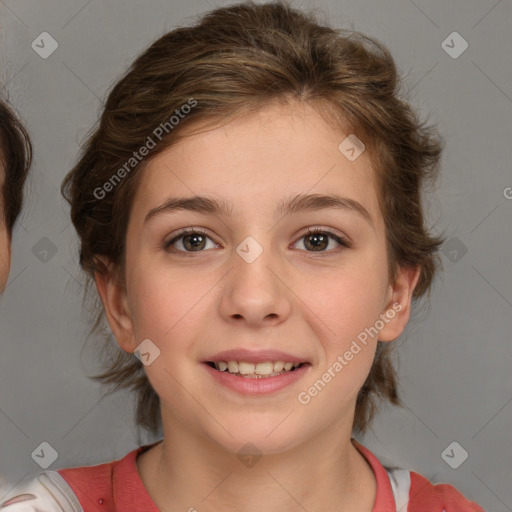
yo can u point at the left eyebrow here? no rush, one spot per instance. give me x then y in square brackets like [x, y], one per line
[314, 202]
[294, 204]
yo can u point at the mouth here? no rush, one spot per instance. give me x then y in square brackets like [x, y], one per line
[260, 370]
[257, 372]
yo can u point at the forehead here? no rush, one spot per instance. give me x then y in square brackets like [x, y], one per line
[258, 158]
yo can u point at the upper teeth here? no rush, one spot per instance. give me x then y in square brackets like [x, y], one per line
[266, 368]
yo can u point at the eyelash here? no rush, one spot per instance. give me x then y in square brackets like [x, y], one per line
[311, 231]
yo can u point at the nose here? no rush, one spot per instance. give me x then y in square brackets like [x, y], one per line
[255, 293]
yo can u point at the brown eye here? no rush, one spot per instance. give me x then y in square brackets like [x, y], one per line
[317, 240]
[191, 241]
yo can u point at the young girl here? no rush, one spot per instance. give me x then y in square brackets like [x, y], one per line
[250, 210]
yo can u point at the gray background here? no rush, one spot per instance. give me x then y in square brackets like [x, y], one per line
[455, 358]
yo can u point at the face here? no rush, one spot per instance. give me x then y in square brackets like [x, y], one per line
[5, 244]
[255, 280]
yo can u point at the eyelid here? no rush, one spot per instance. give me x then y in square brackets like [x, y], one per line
[326, 230]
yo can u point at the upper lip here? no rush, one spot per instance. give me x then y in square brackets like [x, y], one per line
[254, 356]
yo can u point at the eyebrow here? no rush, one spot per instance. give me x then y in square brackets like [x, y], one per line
[294, 204]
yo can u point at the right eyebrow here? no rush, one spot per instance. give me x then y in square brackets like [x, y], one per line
[198, 204]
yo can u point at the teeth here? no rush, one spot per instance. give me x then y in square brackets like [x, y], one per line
[278, 366]
[267, 368]
[245, 368]
[264, 368]
[232, 366]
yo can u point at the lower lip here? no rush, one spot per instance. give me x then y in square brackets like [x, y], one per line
[256, 386]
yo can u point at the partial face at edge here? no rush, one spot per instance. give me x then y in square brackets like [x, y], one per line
[5, 243]
[313, 304]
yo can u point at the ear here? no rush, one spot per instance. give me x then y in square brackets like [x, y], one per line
[398, 303]
[115, 304]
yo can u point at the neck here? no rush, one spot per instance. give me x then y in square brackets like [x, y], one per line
[187, 471]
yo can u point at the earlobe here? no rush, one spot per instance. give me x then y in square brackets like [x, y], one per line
[113, 298]
[398, 307]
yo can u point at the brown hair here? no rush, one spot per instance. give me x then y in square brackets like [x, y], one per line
[15, 157]
[236, 60]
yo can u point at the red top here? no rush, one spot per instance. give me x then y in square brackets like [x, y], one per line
[116, 487]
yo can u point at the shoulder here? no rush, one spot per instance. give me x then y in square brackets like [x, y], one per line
[423, 495]
[89, 481]
[400, 489]
[45, 492]
[76, 489]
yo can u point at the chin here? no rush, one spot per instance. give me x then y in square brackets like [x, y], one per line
[263, 437]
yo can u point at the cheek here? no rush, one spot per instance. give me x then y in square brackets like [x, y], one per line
[348, 299]
[167, 306]
[347, 303]
[345, 325]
